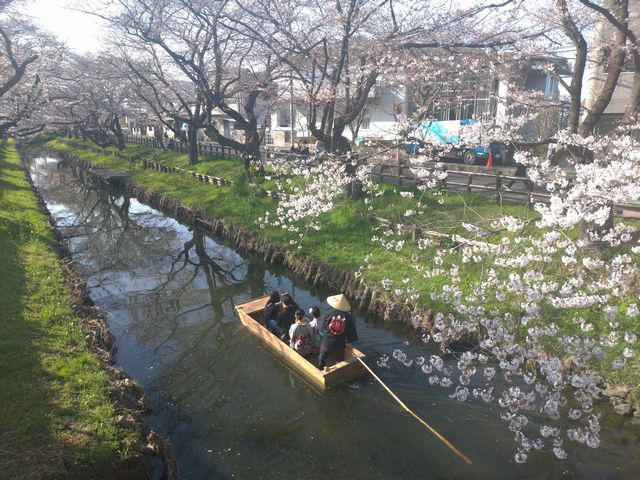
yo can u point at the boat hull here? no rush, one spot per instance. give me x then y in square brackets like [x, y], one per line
[250, 314]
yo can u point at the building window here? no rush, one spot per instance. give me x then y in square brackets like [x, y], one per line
[284, 118]
[366, 121]
[467, 109]
[482, 107]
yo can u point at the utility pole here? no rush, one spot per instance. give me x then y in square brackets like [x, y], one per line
[291, 107]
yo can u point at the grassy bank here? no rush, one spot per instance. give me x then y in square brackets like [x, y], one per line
[56, 419]
[345, 239]
[223, 168]
[345, 242]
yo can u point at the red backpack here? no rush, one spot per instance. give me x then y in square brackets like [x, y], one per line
[301, 341]
[337, 325]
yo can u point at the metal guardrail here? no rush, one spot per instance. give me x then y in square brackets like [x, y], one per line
[204, 148]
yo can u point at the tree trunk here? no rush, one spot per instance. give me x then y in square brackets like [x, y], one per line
[192, 145]
[334, 142]
[615, 66]
[252, 143]
[353, 189]
[340, 144]
[252, 156]
[117, 131]
[575, 89]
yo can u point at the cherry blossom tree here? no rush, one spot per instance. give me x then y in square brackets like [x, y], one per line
[340, 51]
[173, 103]
[530, 313]
[27, 58]
[205, 43]
[90, 96]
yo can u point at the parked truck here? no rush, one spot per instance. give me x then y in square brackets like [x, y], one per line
[443, 138]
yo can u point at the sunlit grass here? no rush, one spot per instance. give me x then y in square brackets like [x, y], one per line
[55, 414]
[227, 168]
[344, 241]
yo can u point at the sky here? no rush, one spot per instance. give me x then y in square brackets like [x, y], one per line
[79, 30]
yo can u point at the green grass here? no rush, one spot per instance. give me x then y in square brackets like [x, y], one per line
[56, 419]
[345, 239]
[345, 243]
[224, 168]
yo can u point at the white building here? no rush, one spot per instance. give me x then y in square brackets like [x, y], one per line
[380, 117]
[598, 66]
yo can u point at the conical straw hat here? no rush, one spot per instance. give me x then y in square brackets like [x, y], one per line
[339, 302]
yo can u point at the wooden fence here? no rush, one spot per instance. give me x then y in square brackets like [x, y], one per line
[472, 182]
[492, 184]
[487, 182]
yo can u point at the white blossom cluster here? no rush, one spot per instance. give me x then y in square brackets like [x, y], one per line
[545, 309]
[299, 208]
[548, 310]
[521, 362]
[610, 175]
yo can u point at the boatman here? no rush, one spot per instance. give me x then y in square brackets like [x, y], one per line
[339, 329]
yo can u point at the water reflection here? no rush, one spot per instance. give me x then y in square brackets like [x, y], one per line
[229, 407]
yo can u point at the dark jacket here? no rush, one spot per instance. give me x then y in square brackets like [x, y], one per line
[331, 341]
[286, 317]
[270, 312]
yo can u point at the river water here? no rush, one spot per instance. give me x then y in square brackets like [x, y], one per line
[230, 408]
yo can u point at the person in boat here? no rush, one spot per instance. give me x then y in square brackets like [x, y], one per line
[339, 329]
[301, 334]
[285, 317]
[317, 323]
[271, 308]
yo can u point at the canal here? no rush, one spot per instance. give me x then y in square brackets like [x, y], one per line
[230, 408]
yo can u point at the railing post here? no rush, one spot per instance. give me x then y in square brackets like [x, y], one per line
[443, 182]
[469, 182]
[498, 185]
[529, 192]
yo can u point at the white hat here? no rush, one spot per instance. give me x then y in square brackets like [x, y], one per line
[339, 302]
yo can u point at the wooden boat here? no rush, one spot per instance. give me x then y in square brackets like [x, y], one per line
[251, 317]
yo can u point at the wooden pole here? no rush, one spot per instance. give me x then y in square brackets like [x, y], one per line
[449, 445]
